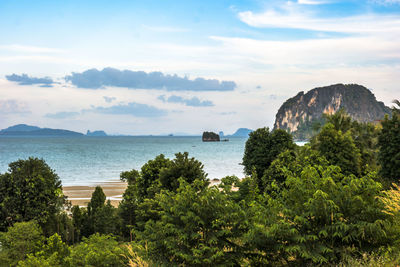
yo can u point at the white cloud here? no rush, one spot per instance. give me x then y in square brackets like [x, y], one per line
[386, 2]
[13, 106]
[296, 18]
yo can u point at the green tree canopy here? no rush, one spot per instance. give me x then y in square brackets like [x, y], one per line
[52, 254]
[30, 190]
[196, 227]
[338, 148]
[262, 148]
[101, 216]
[319, 216]
[389, 148]
[98, 250]
[97, 201]
[184, 167]
[20, 240]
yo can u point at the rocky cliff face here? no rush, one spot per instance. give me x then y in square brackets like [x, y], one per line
[357, 100]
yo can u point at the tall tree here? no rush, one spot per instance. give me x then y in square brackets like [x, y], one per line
[389, 144]
[20, 240]
[196, 228]
[30, 190]
[262, 148]
[338, 148]
[101, 216]
[184, 167]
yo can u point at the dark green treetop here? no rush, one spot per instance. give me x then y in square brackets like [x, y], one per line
[389, 144]
[30, 190]
[262, 148]
[196, 227]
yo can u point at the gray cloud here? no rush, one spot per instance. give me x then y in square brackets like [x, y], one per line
[24, 79]
[134, 109]
[109, 99]
[12, 107]
[61, 115]
[95, 79]
[193, 102]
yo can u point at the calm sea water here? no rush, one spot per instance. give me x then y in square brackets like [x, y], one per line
[92, 160]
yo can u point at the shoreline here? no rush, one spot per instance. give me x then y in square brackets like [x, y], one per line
[81, 194]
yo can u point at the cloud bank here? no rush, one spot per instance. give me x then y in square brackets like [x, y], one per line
[132, 108]
[95, 79]
[109, 99]
[192, 102]
[293, 17]
[62, 115]
[24, 79]
[12, 106]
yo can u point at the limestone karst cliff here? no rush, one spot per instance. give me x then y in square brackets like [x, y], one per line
[299, 112]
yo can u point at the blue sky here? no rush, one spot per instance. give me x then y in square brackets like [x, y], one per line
[266, 51]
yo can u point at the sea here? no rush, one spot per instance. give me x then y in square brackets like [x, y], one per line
[95, 160]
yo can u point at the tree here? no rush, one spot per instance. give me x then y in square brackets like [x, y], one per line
[97, 201]
[338, 148]
[20, 240]
[30, 190]
[53, 253]
[319, 216]
[138, 205]
[98, 250]
[101, 216]
[340, 120]
[197, 227]
[389, 148]
[291, 162]
[364, 136]
[184, 167]
[127, 210]
[262, 148]
[146, 182]
[79, 215]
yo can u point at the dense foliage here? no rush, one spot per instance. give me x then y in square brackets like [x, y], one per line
[30, 190]
[262, 148]
[389, 144]
[323, 203]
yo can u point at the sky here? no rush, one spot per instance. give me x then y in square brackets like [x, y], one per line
[160, 67]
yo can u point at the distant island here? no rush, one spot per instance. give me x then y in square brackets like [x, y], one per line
[28, 130]
[210, 137]
[96, 133]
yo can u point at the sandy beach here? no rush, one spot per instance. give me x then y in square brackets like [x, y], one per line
[80, 195]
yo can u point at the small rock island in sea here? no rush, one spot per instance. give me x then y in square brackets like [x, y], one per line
[96, 133]
[210, 137]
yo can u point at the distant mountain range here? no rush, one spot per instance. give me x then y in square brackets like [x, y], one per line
[28, 130]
